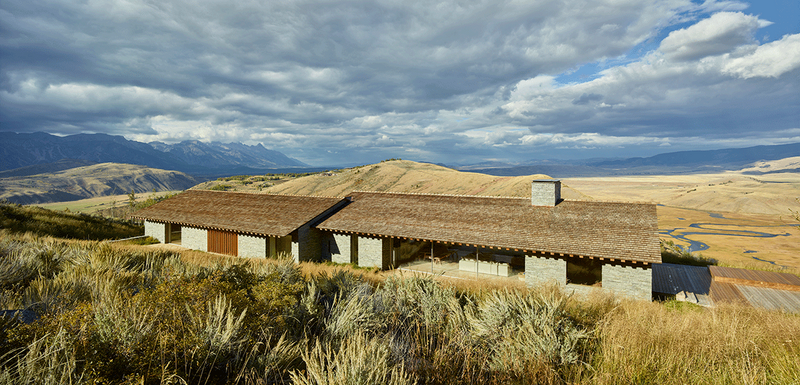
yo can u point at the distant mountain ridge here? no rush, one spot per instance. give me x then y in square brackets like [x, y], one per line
[217, 155]
[194, 157]
[724, 157]
[680, 162]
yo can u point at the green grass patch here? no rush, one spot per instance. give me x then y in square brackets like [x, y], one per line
[672, 253]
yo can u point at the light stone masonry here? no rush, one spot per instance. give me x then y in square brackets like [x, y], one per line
[543, 270]
[545, 192]
[370, 252]
[340, 248]
[634, 282]
[252, 246]
[194, 238]
[156, 230]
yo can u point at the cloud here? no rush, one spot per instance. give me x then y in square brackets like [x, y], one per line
[343, 81]
[768, 60]
[667, 94]
[720, 33]
[586, 98]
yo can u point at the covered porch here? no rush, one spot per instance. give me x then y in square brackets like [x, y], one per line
[457, 260]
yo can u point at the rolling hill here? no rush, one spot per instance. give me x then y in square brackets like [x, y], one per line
[411, 177]
[91, 181]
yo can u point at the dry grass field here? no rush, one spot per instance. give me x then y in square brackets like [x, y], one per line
[744, 219]
[91, 205]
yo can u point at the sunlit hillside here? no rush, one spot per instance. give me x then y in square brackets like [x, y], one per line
[733, 192]
[412, 177]
[91, 181]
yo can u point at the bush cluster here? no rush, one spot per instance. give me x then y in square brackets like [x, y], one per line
[112, 314]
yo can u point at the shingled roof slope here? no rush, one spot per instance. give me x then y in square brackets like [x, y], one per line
[626, 231]
[255, 214]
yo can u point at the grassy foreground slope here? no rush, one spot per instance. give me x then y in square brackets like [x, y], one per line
[412, 177]
[123, 314]
[91, 181]
[38, 221]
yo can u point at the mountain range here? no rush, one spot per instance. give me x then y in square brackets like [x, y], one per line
[672, 163]
[193, 157]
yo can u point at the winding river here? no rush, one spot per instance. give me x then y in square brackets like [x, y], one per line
[721, 229]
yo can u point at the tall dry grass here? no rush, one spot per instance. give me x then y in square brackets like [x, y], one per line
[135, 314]
[644, 342]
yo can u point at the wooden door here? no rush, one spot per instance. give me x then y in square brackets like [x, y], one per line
[223, 242]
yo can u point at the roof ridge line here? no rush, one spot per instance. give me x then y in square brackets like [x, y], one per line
[438, 195]
[268, 193]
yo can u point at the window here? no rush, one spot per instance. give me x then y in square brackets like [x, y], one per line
[584, 271]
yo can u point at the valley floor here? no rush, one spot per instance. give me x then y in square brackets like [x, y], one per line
[738, 219]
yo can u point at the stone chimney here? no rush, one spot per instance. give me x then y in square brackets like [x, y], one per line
[545, 192]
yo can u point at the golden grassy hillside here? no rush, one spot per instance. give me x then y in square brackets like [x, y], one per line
[412, 177]
[732, 192]
[91, 181]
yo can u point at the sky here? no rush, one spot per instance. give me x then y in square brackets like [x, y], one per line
[456, 82]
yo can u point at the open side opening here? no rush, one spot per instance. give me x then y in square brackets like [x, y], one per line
[584, 271]
[174, 233]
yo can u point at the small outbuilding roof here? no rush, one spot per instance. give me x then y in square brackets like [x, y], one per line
[624, 231]
[254, 214]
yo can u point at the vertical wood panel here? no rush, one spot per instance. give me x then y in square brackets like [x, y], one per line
[223, 242]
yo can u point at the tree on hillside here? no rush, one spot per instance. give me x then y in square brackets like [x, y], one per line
[132, 200]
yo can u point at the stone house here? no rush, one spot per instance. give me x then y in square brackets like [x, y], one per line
[607, 244]
[240, 224]
[576, 244]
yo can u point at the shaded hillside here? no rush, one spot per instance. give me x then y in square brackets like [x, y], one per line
[21, 150]
[216, 155]
[61, 165]
[412, 177]
[91, 181]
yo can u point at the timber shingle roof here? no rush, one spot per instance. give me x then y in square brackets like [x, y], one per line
[254, 214]
[624, 231]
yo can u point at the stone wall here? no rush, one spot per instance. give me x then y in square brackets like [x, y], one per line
[156, 230]
[252, 247]
[295, 250]
[539, 270]
[634, 282]
[339, 247]
[194, 238]
[370, 252]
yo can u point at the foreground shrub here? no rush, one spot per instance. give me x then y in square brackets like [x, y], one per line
[49, 360]
[357, 360]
